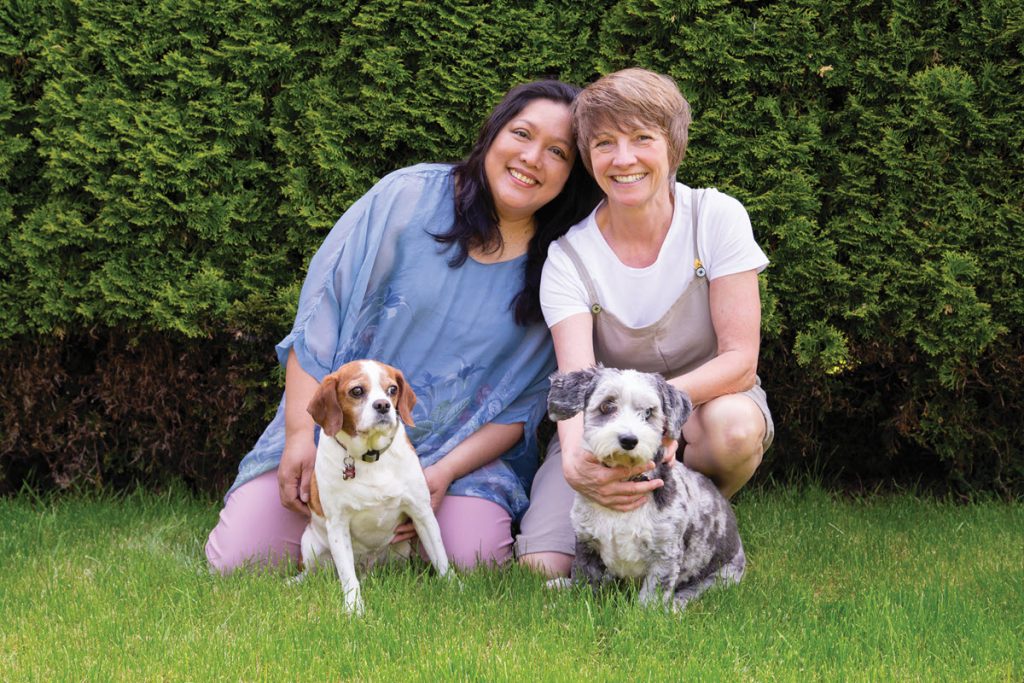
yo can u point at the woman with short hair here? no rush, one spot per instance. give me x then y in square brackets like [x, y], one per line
[659, 278]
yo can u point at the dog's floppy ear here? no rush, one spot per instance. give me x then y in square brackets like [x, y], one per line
[569, 392]
[406, 398]
[676, 405]
[325, 408]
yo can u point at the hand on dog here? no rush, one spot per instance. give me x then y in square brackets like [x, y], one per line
[670, 452]
[294, 473]
[405, 531]
[609, 486]
[438, 481]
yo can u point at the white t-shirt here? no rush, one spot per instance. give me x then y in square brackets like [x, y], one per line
[641, 296]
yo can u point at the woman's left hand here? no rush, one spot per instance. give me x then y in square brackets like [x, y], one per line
[438, 480]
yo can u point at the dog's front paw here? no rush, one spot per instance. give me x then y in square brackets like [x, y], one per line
[653, 595]
[354, 602]
[452, 580]
[354, 606]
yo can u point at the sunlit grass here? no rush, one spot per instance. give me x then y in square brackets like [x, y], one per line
[886, 588]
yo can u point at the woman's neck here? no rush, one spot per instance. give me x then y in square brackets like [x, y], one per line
[636, 234]
[515, 241]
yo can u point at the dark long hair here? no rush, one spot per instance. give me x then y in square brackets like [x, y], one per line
[476, 220]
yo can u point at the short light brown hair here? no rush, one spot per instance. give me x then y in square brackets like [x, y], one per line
[632, 98]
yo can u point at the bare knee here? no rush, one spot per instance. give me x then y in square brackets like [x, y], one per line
[727, 443]
[732, 428]
[737, 443]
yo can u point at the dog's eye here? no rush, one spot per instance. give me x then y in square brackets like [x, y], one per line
[355, 392]
[649, 413]
[392, 390]
[607, 407]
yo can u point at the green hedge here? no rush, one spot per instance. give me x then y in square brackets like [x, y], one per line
[168, 168]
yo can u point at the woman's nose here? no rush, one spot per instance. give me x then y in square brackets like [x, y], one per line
[530, 154]
[624, 153]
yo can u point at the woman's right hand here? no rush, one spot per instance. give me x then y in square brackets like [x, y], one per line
[608, 486]
[296, 468]
[295, 472]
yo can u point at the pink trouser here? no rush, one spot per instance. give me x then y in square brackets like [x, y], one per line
[255, 529]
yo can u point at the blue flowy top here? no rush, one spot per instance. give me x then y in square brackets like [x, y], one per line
[380, 287]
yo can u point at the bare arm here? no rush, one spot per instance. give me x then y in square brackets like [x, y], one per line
[481, 447]
[736, 317]
[296, 468]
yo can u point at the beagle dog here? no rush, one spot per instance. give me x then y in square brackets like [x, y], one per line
[367, 478]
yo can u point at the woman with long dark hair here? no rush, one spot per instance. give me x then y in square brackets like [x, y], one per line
[435, 271]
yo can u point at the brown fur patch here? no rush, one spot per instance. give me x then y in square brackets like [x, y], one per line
[332, 408]
[314, 496]
[406, 398]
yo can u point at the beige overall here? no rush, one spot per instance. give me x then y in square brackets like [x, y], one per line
[683, 339]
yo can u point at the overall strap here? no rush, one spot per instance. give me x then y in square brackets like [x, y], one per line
[698, 264]
[588, 282]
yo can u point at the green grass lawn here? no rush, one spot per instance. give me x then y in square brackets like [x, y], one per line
[891, 588]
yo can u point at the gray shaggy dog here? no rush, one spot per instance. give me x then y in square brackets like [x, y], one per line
[684, 539]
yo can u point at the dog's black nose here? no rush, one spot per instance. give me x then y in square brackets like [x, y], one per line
[382, 406]
[628, 442]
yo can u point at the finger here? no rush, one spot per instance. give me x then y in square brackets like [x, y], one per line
[404, 532]
[307, 475]
[627, 503]
[401, 538]
[616, 492]
[611, 475]
[670, 452]
[639, 469]
[288, 492]
[628, 492]
[405, 528]
[296, 505]
[636, 503]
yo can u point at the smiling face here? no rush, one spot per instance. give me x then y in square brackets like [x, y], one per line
[529, 160]
[360, 403]
[631, 164]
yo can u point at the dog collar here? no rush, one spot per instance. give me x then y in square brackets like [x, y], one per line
[349, 471]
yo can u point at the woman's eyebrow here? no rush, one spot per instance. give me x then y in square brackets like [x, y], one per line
[531, 124]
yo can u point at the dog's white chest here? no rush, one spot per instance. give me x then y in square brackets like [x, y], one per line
[374, 501]
[372, 528]
[623, 539]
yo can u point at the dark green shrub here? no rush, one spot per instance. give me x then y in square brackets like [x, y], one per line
[167, 169]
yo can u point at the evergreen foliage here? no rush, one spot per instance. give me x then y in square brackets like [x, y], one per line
[168, 168]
